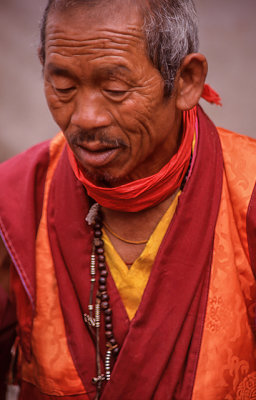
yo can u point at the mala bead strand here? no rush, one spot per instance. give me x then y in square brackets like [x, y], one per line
[112, 347]
[102, 305]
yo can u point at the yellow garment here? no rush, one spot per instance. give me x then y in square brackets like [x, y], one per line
[131, 282]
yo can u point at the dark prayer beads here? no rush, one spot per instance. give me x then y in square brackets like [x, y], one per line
[102, 293]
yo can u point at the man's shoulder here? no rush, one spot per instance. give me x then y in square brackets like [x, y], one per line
[239, 157]
[239, 152]
[22, 183]
[32, 162]
[233, 142]
[23, 177]
[36, 157]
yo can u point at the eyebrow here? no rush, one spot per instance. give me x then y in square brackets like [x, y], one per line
[112, 71]
[59, 71]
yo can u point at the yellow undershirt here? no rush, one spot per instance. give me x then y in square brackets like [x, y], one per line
[131, 282]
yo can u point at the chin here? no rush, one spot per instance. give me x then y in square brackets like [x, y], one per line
[104, 179]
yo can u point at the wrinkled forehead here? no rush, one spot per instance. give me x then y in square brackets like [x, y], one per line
[120, 11]
[119, 20]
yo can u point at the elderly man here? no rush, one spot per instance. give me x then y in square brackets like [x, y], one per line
[131, 235]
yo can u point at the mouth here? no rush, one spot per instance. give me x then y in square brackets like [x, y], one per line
[95, 154]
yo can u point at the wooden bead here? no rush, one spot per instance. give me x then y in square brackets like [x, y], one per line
[100, 251]
[101, 258]
[102, 288]
[109, 327]
[112, 341]
[98, 233]
[101, 266]
[115, 351]
[102, 280]
[104, 273]
[109, 334]
[98, 243]
[108, 319]
[104, 297]
[105, 305]
[108, 311]
[98, 226]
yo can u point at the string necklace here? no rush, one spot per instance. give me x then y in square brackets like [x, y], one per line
[123, 239]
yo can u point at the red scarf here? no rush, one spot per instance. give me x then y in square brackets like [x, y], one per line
[152, 190]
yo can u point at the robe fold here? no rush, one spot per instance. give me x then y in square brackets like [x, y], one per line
[169, 350]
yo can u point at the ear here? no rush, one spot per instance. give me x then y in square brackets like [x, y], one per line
[190, 81]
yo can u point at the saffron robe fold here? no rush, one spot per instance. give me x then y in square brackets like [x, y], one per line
[163, 339]
[160, 347]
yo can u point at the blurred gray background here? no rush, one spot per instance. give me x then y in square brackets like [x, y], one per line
[227, 32]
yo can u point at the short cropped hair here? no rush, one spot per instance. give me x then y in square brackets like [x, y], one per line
[170, 28]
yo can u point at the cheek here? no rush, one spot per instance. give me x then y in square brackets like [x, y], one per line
[145, 106]
[133, 112]
[137, 130]
[135, 119]
[60, 111]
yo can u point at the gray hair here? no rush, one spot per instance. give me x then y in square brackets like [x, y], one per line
[171, 32]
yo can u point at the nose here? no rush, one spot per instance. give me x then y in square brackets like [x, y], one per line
[90, 111]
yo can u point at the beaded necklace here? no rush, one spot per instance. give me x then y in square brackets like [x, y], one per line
[93, 318]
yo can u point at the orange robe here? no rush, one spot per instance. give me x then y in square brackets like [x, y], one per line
[193, 336]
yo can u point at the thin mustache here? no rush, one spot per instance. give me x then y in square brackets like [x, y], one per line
[96, 135]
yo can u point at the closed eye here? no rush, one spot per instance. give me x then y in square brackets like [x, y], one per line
[116, 94]
[115, 91]
[65, 90]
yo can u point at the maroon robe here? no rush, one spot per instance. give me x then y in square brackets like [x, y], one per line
[160, 346]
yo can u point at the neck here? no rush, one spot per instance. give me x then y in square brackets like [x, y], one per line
[137, 226]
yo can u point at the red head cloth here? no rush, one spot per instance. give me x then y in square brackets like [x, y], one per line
[152, 190]
[211, 96]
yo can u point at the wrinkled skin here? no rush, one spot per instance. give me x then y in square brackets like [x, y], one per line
[105, 94]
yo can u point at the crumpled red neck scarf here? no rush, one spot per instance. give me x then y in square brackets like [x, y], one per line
[152, 190]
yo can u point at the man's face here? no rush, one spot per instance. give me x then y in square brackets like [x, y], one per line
[105, 94]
